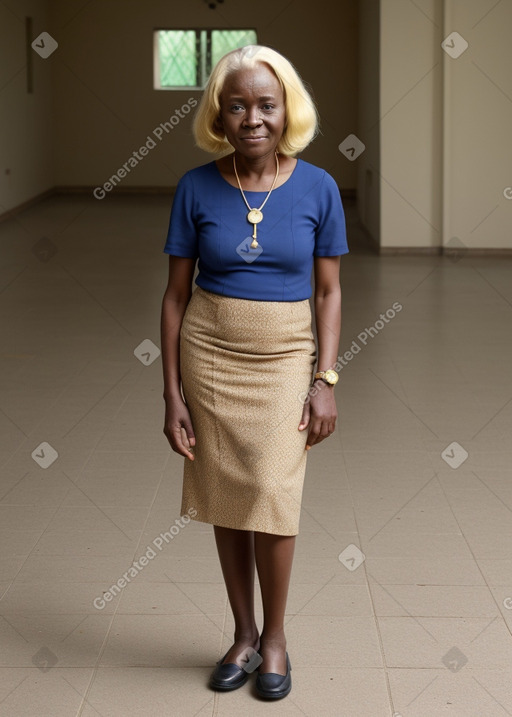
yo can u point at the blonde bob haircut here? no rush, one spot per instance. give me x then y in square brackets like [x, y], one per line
[301, 125]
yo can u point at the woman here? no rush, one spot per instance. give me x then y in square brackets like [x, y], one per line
[239, 353]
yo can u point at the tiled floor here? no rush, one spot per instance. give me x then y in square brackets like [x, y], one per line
[417, 477]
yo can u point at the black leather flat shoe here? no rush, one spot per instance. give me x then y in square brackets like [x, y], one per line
[272, 686]
[231, 676]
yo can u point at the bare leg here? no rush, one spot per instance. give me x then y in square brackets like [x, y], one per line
[274, 557]
[236, 555]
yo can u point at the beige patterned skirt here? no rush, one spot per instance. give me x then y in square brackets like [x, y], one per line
[245, 367]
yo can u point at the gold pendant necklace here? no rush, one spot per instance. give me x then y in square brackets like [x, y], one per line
[255, 215]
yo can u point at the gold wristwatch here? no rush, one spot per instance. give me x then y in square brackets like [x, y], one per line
[329, 377]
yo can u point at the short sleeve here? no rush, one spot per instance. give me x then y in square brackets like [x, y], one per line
[182, 233]
[331, 232]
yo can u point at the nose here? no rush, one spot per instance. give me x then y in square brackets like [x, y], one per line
[252, 117]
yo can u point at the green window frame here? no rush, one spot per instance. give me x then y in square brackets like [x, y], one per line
[184, 58]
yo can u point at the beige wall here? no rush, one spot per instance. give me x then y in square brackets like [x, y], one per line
[26, 150]
[445, 125]
[106, 104]
[478, 122]
[410, 123]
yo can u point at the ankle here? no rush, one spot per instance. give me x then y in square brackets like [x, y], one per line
[248, 635]
[273, 639]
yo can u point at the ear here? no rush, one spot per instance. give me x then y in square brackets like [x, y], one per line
[218, 125]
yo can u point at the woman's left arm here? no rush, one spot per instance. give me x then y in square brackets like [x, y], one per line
[320, 413]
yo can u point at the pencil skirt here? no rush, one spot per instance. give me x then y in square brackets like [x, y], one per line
[246, 367]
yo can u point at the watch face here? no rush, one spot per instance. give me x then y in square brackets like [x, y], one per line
[331, 376]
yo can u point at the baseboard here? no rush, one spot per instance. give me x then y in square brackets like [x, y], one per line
[410, 250]
[59, 190]
[444, 251]
[26, 205]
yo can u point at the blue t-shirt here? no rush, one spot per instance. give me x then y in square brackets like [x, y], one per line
[303, 218]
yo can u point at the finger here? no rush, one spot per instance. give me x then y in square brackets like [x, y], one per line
[189, 431]
[184, 438]
[320, 430]
[186, 443]
[305, 417]
[181, 442]
[313, 434]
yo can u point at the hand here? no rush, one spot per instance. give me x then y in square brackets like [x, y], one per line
[178, 428]
[320, 414]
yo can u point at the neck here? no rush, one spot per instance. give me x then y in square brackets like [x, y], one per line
[256, 167]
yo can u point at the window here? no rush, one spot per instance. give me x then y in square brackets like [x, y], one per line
[183, 59]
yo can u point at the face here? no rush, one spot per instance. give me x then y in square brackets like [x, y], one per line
[252, 115]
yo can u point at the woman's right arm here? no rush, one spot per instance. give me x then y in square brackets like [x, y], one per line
[178, 425]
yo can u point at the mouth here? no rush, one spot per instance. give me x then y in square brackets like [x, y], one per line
[253, 138]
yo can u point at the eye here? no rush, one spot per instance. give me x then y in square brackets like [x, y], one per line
[236, 108]
[268, 106]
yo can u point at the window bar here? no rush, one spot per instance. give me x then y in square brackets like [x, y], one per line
[208, 52]
[198, 59]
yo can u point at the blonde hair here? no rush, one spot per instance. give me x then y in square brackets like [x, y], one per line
[301, 114]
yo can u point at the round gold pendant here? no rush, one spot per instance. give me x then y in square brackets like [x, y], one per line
[255, 216]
